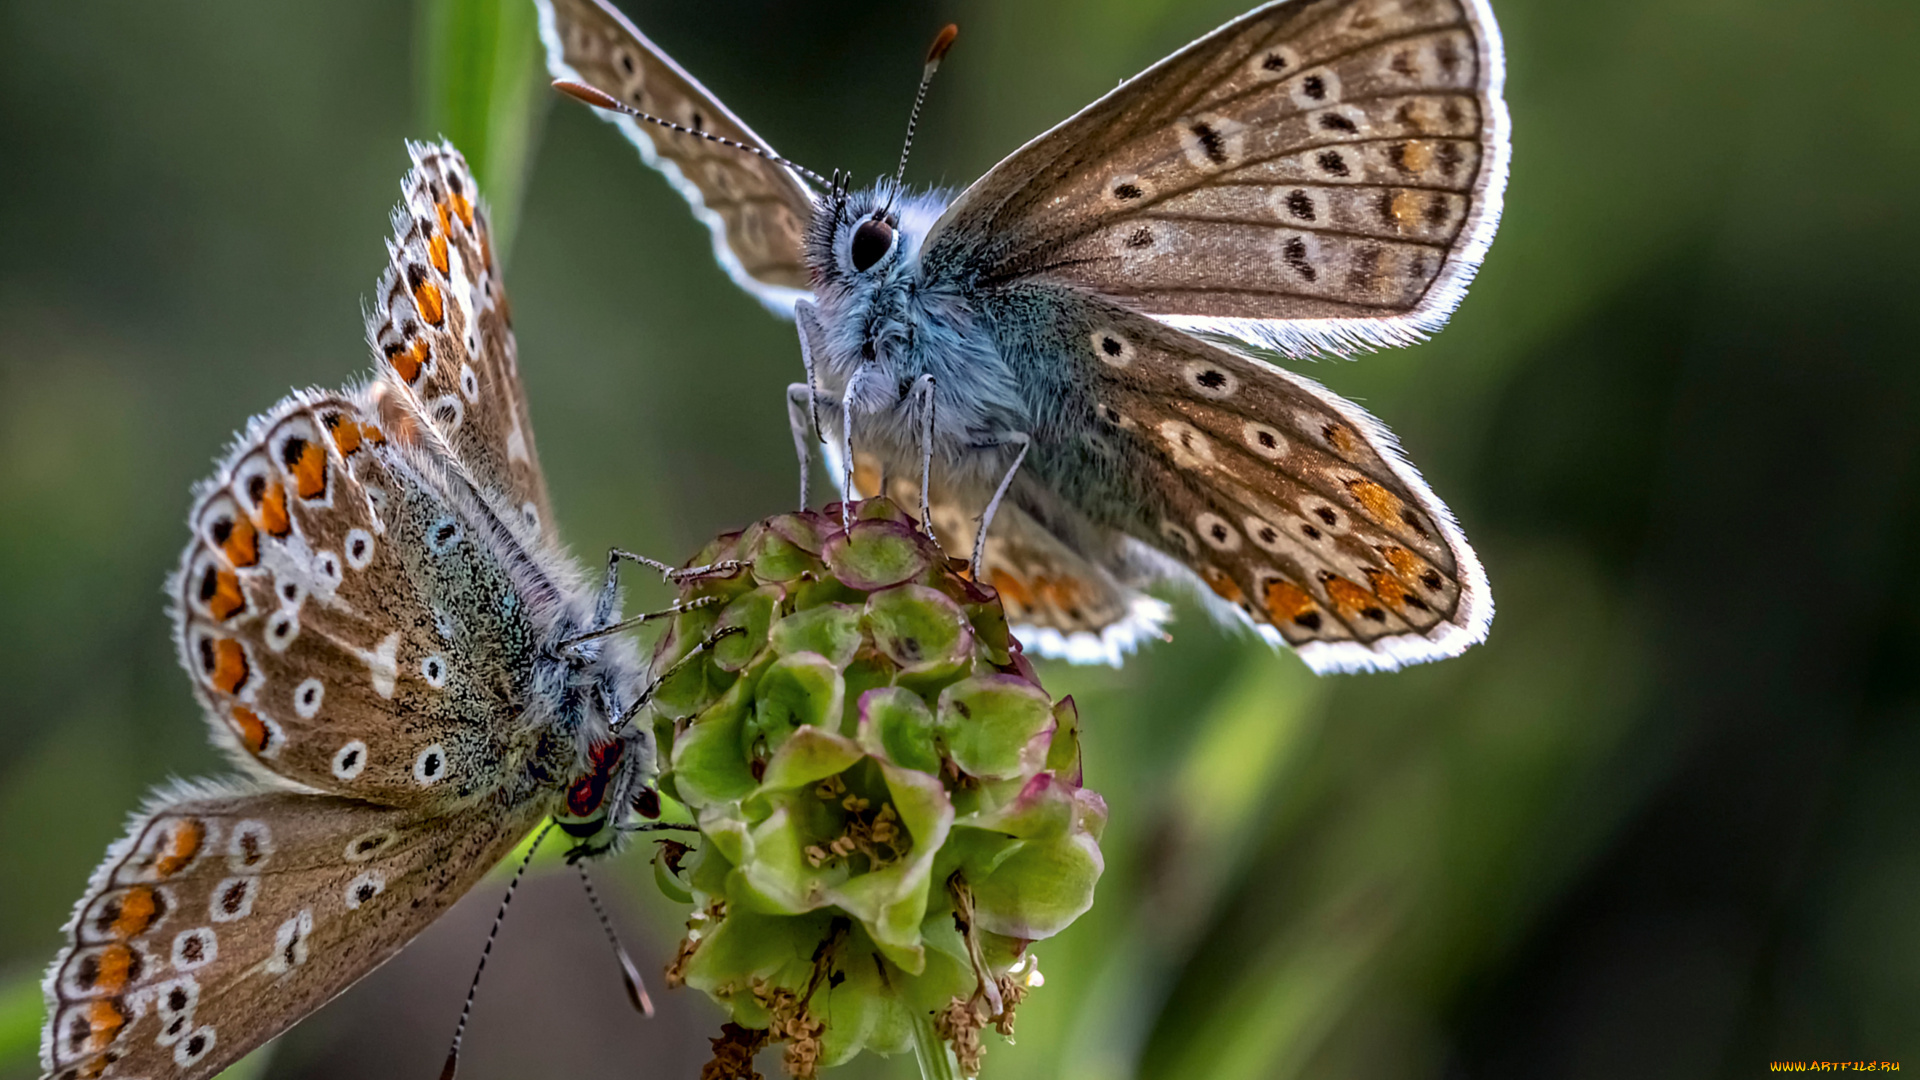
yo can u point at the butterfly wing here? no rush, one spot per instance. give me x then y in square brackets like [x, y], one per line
[1315, 175]
[442, 329]
[349, 612]
[341, 617]
[225, 915]
[1292, 505]
[1060, 602]
[757, 210]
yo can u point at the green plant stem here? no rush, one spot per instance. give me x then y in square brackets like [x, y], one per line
[936, 1060]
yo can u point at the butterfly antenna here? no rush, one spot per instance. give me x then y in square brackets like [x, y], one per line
[601, 100]
[466, 1010]
[935, 53]
[636, 989]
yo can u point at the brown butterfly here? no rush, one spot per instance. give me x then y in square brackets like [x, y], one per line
[1315, 176]
[377, 615]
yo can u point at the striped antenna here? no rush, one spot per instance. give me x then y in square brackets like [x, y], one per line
[935, 53]
[601, 100]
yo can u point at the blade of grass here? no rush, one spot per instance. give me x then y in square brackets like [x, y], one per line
[480, 86]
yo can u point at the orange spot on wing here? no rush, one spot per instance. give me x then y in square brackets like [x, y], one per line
[1404, 562]
[112, 970]
[105, 1020]
[409, 359]
[1417, 156]
[179, 848]
[1384, 505]
[1222, 583]
[426, 297]
[1388, 589]
[463, 208]
[437, 251]
[310, 472]
[373, 435]
[1062, 593]
[1287, 602]
[446, 221]
[226, 601]
[251, 729]
[273, 511]
[346, 433]
[240, 545]
[1406, 208]
[486, 248]
[137, 911]
[229, 665]
[1010, 588]
[1341, 439]
[1349, 597]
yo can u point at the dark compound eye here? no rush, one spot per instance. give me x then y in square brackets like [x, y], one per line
[871, 242]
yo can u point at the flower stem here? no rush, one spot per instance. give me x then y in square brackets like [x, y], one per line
[936, 1060]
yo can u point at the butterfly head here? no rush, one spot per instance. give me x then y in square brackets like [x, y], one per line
[865, 239]
[616, 782]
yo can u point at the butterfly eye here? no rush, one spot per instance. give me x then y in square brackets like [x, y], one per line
[871, 242]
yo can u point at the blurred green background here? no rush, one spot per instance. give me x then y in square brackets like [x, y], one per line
[1665, 823]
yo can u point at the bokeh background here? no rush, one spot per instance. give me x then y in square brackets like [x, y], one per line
[1665, 823]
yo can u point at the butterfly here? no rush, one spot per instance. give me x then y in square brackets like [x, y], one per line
[1316, 176]
[379, 620]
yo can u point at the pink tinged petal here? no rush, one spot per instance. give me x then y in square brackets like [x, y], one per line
[776, 558]
[710, 758]
[896, 726]
[810, 754]
[1040, 889]
[796, 691]
[919, 629]
[1063, 753]
[876, 554]
[832, 630]
[1045, 809]
[995, 726]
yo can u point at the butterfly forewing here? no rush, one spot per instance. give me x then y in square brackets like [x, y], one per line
[757, 210]
[443, 330]
[1292, 505]
[330, 590]
[1317, 174]
[224, 916]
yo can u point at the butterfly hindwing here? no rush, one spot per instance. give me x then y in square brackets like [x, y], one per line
[226, 915]
[1317, 174]
[1291, 504]
[1060, 601]
[757, 210]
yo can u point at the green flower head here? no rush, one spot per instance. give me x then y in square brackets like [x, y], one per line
[890, 804]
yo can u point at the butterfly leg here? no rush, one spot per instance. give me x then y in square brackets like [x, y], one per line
[804, 420]
[609, 601]
[923, 387]
[1021, 439]
[854, 386]
[632, 621]
[804, 436]
[646, 695]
